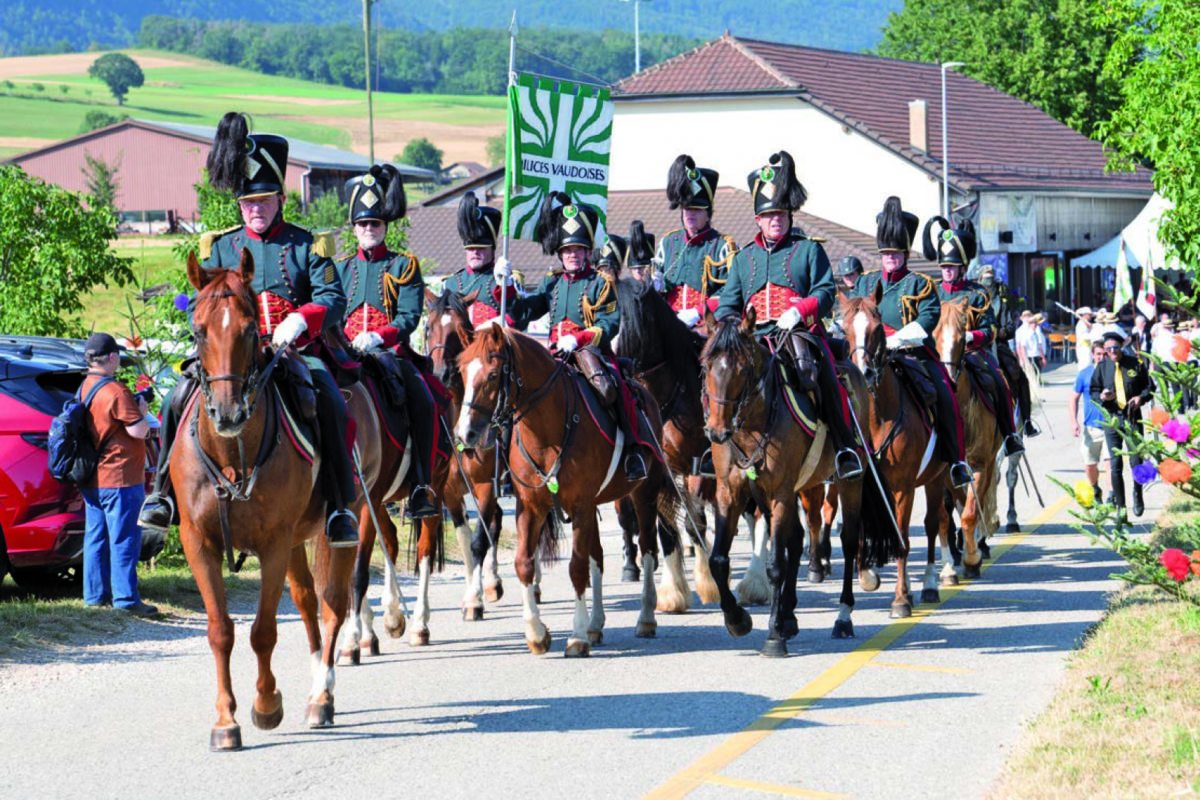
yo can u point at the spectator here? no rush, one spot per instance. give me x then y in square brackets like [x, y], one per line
[112, 540]
[1121, 385]
[1091, 434]
[1031, 346]
[1141, 334]
[1083, 336]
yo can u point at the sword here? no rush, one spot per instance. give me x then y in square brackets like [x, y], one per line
[1032, 478]
[472, 504]
[670, 474]
[388, 567]
[875, 473]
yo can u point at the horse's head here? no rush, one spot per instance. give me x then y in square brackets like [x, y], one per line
[448, 314]
[734, 376]
[865, 336]
[484, 366]
[950, 335]
[225, 322]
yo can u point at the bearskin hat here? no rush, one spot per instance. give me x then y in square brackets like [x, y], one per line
[614, 253]
[955, 246]
[895, 228]
[562, 223]
[775, 187]
[478, 226]
[247, 164]
[377, 194]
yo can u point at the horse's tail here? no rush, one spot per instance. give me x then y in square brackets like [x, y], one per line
[670, 511]
[879, 539]
[438, 553]
[552, 536]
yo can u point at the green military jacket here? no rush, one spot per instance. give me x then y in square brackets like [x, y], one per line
[695, 269]
[385, 293]
[795, 273]
[981, 325]
[293, 272]
[583, 305]
[1003, 312]
[487, 304]
[912, 298]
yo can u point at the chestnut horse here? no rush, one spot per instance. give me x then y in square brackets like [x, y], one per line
[272, 505]
[763, 453]
[563, 467]
[977, 502]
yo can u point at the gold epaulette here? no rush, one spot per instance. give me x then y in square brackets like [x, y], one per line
[209, 238]
[324, 244]
[602, 302]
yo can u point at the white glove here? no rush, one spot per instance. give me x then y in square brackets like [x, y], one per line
[910, 335]
[659, 284]
[288, 331]
[367, 341]
[503, 272]
[567, 343]
[788, 319]
[689, 316]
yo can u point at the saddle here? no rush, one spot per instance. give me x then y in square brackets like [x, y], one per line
[600, 377]
[801, 368]
[334, 349]
[385, 383]
[917, 383]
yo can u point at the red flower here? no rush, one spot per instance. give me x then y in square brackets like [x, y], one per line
[1159, 417]
[144, 382]
[1177, 563]
[1196, 562]
[1174, 471]
[1181, 350]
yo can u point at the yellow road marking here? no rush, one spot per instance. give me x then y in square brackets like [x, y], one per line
[922, 668]
[773, 788]
[995, 598]
[707, 768]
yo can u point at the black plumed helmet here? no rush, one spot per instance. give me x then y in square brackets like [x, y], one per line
[247, 164]
[546, 230]
[641, 245]
[689, 186]
[614, 252]
[895, 228]
[775, 187]
[953, 246]
[377, 194]
[478, 226]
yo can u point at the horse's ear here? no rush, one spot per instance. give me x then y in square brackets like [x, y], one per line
[469, 299]
[879, 292]
[246, 268]
[710, 321]
[198, 276]
[749, 320]
[466, 334]
[495, 334]
[430, 298]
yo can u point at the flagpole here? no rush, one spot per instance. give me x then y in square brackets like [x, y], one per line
[509, 150]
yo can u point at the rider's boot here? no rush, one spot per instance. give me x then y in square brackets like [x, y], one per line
[158, 509]
[342, 527]
[835, 410]
[422, 415]
[949, 424]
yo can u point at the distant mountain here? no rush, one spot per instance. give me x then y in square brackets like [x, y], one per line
[31, 26]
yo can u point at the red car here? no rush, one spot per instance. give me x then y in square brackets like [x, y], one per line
[41, 520]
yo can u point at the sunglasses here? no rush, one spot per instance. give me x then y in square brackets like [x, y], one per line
[1112, 348]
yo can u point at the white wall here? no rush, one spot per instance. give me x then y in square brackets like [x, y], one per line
[847, 175]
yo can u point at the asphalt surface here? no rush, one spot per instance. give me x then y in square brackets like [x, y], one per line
[926, 707]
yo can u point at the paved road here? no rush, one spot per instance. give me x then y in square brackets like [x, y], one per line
[929, 707]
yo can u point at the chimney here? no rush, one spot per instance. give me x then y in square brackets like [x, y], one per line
[918, 125]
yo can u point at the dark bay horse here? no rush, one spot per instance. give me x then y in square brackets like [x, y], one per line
[563, 467]
[762, 452]
[274, 506]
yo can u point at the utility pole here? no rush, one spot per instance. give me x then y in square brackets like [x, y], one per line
[945, 140]
[637, 34]
[370, 103]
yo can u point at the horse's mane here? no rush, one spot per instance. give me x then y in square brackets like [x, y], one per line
[954, 313]
[639, 304]
[449, 302]
[523, 343]
[852, 305]
[227, 283]
[729, 340]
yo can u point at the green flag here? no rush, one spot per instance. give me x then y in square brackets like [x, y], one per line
[559, 135]
[1123, 290]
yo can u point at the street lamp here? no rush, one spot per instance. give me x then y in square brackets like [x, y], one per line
[637, 44]
[945, 146]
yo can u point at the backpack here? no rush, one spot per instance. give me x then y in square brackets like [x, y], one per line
[73, 455]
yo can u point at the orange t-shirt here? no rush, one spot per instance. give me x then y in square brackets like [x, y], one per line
[122, 457]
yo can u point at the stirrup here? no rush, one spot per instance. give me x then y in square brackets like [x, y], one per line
[150, 515]
[960, 475]
[847, 464]
[1031, 429]
[1013, 445]
[415, 509]
[635, 467]
[342, 529]
[505, 486]
[704, 466]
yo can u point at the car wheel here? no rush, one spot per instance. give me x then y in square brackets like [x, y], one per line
[67, 580]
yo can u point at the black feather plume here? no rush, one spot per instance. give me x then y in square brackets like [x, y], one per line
[547, 229]
[641, 244]
[928, 245]
[793, 195]
[966, 235]
[679, 186]
[227, 159]
[469, 221]
[395, 203]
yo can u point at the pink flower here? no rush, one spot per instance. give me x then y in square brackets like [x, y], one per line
[1177, 430]
[1177, 563]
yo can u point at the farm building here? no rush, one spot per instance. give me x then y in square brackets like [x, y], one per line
[158, 163]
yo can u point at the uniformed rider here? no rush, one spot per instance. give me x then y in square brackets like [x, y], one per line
[582, 305]
[787, 278]
[1005, 315]
[953, 251]
[479, 230]
[385, 292]
[848, 270]
[299, 296]
[910, 309]
[692, 262]
[641, 252]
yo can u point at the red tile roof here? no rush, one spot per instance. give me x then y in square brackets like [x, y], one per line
[996, 140]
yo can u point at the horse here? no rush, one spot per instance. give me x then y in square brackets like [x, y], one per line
[446, 315]
[899, 436]
[977, 507]
[510, 378]
[760, 450]
[223, 504]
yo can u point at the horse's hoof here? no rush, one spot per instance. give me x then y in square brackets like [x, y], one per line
[931, 596]
[868, 579]
[395, 626]
[739, 627]
[843, 629]
[958, 559]
[1012, 527]
[352, 655]
[774, 648]
[948, 579]
[631, 574]
[541, 647]
[901, 610]
[971, 570]
[224, 739]
[419, 638]
[646, 630]
[269, 721]
[596, 637]
[493, 594]
[370, 645]
[984, 550]
[788, 629]
[577, 649]
[473, 614]
[320, 715]
[816, 575]
[537, 595]
[827, 568]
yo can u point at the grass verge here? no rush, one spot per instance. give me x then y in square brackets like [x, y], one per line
[1125, 721]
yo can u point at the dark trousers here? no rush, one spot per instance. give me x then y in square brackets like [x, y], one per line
[1003, 399]
[422, 419]
[1017, 379]
[835, 402]
[1114, 438]
[948, 419]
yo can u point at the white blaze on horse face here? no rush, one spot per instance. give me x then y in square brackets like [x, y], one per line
[859, 325]
[225, 321]
[947, 344]
[446, 318]
[464, 415]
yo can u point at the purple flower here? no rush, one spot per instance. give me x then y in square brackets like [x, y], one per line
[1145, 472]
[181, 302]
[1177, 430]
[1193, 453]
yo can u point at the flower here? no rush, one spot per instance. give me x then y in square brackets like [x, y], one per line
[181, 301]
[1145, 472]
[1174, 471]
[1182, 349]
[1196, 562]
[1177, 563]
[143, 382]
[1193, 453]
[1177, 430]
[1159, 417]
[1085, 495]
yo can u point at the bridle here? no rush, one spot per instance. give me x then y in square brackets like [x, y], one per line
[760, 386]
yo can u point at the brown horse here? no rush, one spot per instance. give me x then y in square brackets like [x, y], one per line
[898, 435]
[222, 450]
[762, 452]
[563, 467]
[977, 507]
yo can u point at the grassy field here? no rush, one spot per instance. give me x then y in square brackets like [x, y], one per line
[1126, 720]
[106, 307]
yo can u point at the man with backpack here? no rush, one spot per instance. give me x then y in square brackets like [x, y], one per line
[113, 495]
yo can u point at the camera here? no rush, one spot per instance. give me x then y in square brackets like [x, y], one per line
[146, 394]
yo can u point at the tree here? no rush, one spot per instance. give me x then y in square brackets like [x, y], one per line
[1157, 66]
[1050, 53]
[101, 180]
[96, 119]
[53, 251]
[120, 72]
[421, 153]
[495, 150]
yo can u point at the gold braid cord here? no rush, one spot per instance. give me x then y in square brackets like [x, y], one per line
[602, 303]
[708, 277]
[910, 303]
[392, 284]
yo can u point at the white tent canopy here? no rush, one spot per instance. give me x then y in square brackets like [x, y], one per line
[1140, 239]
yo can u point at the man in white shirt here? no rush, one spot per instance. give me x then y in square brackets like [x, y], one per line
[1083, 336]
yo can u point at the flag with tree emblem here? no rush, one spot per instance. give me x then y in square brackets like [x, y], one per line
[559, 135]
